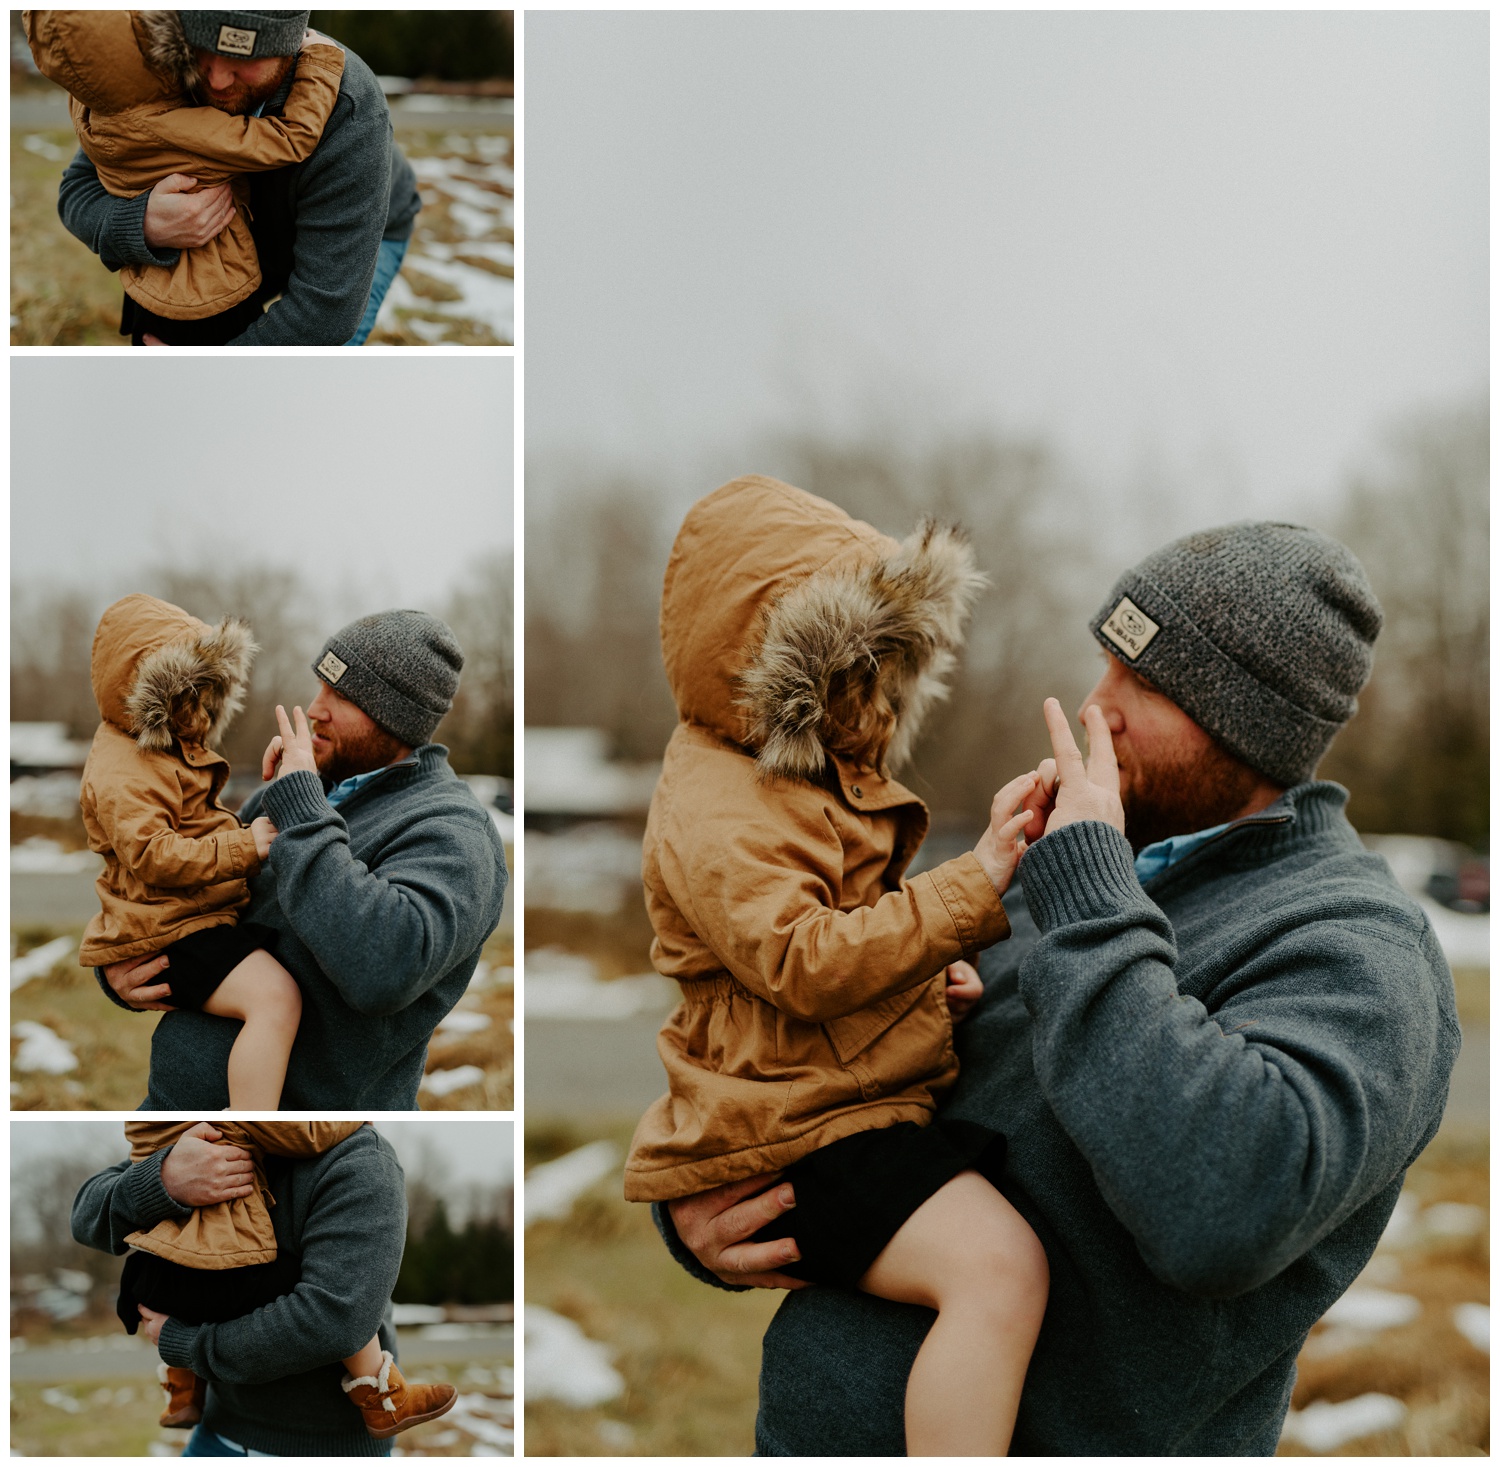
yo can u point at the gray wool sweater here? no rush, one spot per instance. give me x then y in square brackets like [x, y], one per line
[383, 906]
[274, 1375]
[1211, 1088]
[317, 224]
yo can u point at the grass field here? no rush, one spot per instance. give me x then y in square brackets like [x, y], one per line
[117, 1418]
[455, 285]
[114, 1048]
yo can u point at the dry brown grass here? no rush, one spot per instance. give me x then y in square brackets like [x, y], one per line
[689, 1354]
[114, 1048]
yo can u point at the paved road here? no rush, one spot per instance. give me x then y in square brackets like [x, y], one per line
[124, 1355]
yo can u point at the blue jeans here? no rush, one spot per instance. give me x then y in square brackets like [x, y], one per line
[204, 1443]
[387, 263]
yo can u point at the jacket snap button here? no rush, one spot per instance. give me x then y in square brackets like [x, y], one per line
[858, 793]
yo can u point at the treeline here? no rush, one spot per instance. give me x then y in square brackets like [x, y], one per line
[52, 631]
[474, 1264]
[1415, 759]
[441, 45]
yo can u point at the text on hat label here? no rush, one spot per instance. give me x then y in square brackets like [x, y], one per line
[1129, 628]
[235, 42]
[332, 668]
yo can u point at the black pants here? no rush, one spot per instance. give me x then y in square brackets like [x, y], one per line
[201, 1295]
[136, 321]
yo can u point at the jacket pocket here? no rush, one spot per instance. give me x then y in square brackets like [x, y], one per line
[854, 1033]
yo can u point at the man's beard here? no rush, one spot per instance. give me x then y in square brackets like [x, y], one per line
[242, 99]
[371, 749]
[1192, 793]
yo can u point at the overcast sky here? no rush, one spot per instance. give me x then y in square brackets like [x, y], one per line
[383, 475]
[469, 1150]
[1223, 250]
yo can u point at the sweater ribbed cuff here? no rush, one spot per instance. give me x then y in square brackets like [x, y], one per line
[1083, 870]
[125, 234]
[176, 1341]
[147, 1201]
[678, 1249]
[295, 799]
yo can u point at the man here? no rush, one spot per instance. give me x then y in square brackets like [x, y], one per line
[274, 1376]
[385, 877]
[1214, 1048]
[330, 231]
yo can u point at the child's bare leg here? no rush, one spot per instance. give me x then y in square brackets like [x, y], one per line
[967, 1253]
[365, 1360]
[265, 996]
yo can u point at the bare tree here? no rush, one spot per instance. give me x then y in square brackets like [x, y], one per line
[478, 730]
[1416, 757]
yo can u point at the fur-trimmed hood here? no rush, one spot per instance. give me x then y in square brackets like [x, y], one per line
[148, 653]
[112, 60]
[773, 596]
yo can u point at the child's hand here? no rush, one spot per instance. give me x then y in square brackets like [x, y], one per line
[964, 990]
[264, 833]
[151, 1322]
[1001, 846]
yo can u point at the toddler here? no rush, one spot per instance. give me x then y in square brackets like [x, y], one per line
[130, 74]
[176, 861]
[222, 1261]
[815, 1034]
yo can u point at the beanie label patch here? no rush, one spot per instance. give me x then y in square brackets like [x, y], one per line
[235, 42]
[332, 668]
[1129, 628]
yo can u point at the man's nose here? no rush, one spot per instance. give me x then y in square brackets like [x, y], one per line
[218, 75]
[1112, 716]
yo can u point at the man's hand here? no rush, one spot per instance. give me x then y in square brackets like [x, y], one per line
[177, 219]
[713, 1226]
[1084, 791]
[197, 1172]
[290, 749]
[964, 990]
[134, 981]
[264, 833]
[151, 1322]
[1001, 846]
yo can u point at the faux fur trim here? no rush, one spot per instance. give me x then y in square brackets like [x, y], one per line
[901, 617]
[381, 1382]
[165, 49]
[214, 665]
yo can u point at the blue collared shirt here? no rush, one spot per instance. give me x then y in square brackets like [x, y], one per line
[341, 792]
[1154, 859]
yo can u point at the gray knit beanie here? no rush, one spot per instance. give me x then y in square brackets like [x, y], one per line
[245, 35]
[401, 667]
[1262, 633]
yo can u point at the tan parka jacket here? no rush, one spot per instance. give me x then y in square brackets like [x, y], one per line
[239, 1232]
[175, 861]
[811, 972]
[126, 72]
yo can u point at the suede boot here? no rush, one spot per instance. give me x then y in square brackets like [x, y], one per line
[186, 1394]
[389, 1404]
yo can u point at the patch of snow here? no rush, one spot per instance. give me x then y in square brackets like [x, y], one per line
[52, 796]
[618, 1436]
[462, 1021]
[1463, 936]
[563, 1364]
[486, 298]
[410, 1314]
[553, 1187]
[445, 1082]
[41, 1050]
[1472, 1321]
[41, 960]
[1373, 1309]
[62, 1400]
[563, 985]
[589, 868]
[1326, 1425]
[1454, 1219]
[36, 143]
